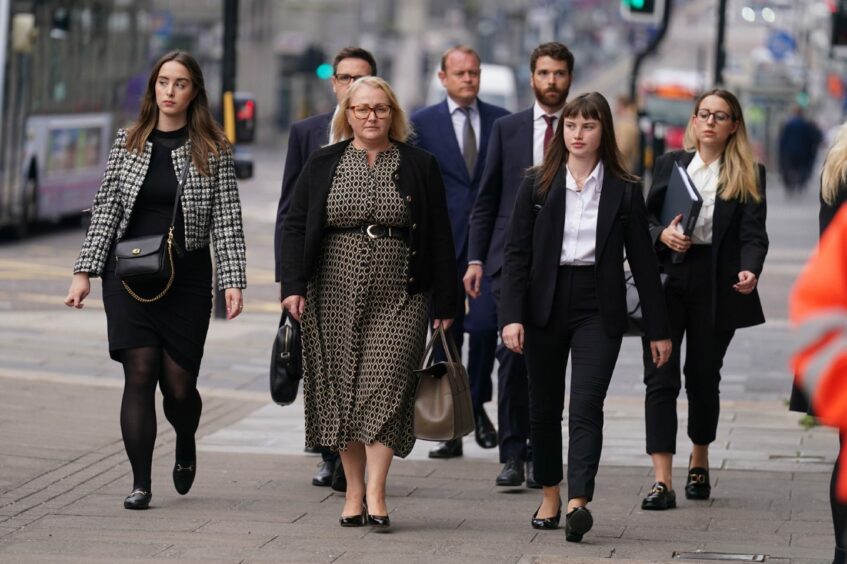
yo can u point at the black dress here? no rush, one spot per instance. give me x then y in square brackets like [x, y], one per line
[178, 322]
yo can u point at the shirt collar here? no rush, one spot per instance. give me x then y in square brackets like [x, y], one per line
[452, 106]
[596, 177]
[697, 163]
[537, 112]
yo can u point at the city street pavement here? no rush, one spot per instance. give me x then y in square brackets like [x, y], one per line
[63, 472]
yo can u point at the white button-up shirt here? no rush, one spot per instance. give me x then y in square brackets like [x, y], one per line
[705, 179]
[579, 242]
[457, 116]
[539, 127]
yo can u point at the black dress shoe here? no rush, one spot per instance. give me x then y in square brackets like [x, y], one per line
[659, 498]
[530, 476]
[547, 523]
[183, 476]
[485, 433]
[447, 449]
[577, 523]
[323, 477]
[354, 520]
[339, 479]
[382, 521]
[698, 486]
[138, 499]
[512, 473]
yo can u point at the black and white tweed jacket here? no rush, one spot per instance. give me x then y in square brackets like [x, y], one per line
[210, 206]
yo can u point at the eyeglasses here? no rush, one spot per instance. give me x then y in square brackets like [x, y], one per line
[347, 78]
[720, 117]
[363, 111]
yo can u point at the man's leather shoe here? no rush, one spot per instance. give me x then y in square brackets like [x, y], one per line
[577, 523]
[183, 476]
[530, 476]
[511, 474]
[323, 477]
[698, 486]
[485, 433]
[339, 479]
[447, 449]
[547, 523]
[659, 498]
[138, 499]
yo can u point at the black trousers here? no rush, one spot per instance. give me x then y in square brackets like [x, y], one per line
[689, 300]
[513, 434]
[575, 328]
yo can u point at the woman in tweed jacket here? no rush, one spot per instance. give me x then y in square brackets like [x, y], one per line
[160, 341]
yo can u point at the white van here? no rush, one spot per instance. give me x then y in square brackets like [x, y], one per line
[496, 86]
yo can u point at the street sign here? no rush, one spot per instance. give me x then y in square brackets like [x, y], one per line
[781, 44]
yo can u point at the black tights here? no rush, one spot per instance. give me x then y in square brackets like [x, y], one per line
[144, 367]
[839, 509]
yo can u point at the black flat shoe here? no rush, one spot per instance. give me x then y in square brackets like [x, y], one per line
[484, 432]
[447, 449]
[138, 499]
[339, 479]
[382, 521]
[323, 475]
[577, 523]
[355, 520]
[530, 476]
[547, 523]
[659, 498]
[183, 476]
[698, 486]
[511, 474]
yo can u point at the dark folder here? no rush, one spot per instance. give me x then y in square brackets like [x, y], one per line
[681, 197]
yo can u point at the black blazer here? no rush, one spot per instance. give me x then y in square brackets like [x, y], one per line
[306, 137]
[431, 263]
[739, 242]
[531, 261]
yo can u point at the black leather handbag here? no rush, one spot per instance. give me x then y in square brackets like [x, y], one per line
[286, 361]
[149, 261]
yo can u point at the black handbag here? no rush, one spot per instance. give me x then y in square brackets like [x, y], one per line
[286, 361]
[149, 261]
[635, 319]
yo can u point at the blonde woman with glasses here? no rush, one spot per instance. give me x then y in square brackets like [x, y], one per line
[711, 292]
[368, 251]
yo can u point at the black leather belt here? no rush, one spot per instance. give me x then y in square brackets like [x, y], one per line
[375, 231]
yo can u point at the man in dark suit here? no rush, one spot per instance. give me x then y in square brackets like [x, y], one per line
[456, 131]
[517, 143]
[306, 137]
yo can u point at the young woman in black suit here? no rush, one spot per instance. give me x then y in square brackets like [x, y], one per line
[711, 292]
[564, 291]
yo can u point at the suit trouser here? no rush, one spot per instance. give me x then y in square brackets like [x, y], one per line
[689, 300]
[575, 327]
[512, 398]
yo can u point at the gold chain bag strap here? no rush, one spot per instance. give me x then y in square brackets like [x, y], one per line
[149, 261]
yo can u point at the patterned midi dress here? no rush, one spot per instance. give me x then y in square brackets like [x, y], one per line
[363, 333]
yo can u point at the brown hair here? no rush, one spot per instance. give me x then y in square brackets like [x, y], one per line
[554, 50]
[587, 106]
[353, 52]
[207, 138]
[466, 49]
[739, 177]
[400, 129]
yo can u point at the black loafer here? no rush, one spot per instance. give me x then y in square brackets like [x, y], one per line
[485, 433]
[447, 449]
[339, 479]
[354, 520]
[577, 523]
[547, 523]
[323, 476]
[659, 498]
[138, 499]
[512, 473]
[530, 476]
[698, 486]
[183, 476]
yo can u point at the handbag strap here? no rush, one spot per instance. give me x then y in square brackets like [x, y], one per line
[449, 346]
[179, 188]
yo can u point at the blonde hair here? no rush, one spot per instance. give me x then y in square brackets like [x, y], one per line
[739, 178]
[400, 128]
[834, 176]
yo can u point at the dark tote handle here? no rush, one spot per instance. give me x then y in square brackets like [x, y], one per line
[447, 344]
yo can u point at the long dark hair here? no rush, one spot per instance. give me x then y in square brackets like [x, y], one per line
[205, 134]
[587, 106]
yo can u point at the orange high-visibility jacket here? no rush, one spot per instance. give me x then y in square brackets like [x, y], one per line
[818, 308]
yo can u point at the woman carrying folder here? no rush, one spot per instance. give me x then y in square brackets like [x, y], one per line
[711, 292]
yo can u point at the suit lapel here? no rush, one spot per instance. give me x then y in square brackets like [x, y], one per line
[485, 124]
[448, 135]
[724, 210]
[607, 214]
[555, 208]
[526, 144]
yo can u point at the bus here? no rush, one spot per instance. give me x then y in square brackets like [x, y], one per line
[70, 74]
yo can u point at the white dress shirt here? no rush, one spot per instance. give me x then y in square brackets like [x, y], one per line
[579, 242]
[705, 179]
[458, 118]
[539, 127]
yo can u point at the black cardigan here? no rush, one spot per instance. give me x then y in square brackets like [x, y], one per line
[531, 259]
[431, 261]
[739, 242]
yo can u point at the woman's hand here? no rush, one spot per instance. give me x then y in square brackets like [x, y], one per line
[746, 282]
[234, 303]
[673, 238]
[512, 336]
[661, 351]
[446, 323]
[79, 290]
[295, 306]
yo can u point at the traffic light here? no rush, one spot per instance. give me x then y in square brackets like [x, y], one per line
[245, 117]
[643, 11]
[839, 23]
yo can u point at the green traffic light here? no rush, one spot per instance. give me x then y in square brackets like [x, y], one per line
[634, 4]
[324, 71]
